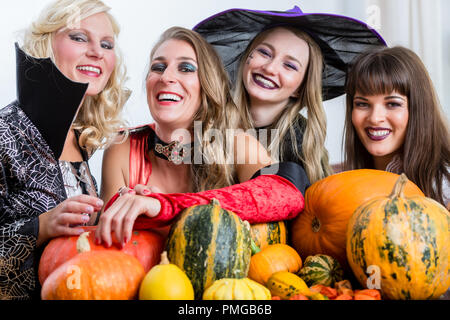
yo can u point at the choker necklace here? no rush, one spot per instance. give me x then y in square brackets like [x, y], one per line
[174, 151]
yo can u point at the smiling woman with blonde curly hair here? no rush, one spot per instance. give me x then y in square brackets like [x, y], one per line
[98, 119]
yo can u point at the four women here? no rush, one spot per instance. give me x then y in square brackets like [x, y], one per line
[281, 67]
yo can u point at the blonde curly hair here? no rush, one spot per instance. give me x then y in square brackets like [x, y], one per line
[98, 119]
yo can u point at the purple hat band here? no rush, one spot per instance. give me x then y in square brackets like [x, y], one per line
[295, 9]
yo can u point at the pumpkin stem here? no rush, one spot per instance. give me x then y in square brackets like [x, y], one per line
[255, 248]
[215, 202]
[397, 192]
[315, 224]
[83, 243]
[164, 259]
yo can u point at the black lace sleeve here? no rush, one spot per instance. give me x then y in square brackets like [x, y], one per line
[18, 236]
[30, 184]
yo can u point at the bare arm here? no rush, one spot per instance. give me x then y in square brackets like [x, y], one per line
[115, 169]
[115, 174]
[250, 156]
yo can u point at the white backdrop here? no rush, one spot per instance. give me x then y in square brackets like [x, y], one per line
[142, 22]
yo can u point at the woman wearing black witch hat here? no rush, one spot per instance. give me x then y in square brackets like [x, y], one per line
[70, 94]
[283, 63]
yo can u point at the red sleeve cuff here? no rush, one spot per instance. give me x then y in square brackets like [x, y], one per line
[263, 199]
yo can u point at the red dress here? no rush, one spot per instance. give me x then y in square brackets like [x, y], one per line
[265, 198]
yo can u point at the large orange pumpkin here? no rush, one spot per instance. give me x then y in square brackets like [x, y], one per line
[146, 246]
[95, 275]
[329, 204]
[407, 239]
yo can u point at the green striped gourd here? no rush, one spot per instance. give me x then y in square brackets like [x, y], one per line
[209, 243]
[266, 234]
[321, 269]
[404, 242]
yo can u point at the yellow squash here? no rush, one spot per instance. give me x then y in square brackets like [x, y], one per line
[166, 282]
[236, 289]
[285, 285]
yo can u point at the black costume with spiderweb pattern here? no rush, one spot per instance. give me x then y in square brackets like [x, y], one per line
[30, 184]
[33, 130]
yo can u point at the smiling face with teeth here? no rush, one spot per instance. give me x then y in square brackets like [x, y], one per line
[275, 68]
[381, 123]
[173, 85]
[86, 54]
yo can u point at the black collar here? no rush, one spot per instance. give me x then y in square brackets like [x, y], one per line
[174, 151]
[48, 98]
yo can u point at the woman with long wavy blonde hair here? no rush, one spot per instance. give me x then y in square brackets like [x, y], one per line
[217, 112]
[282, 66]
[70, 94]
[196, 150]
[289, 124]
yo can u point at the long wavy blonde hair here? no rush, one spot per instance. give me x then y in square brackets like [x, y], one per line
[98, 119]
[217, 113]
[314, 155]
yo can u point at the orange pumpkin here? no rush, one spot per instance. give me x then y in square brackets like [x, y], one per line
[95, 275]
[329, 204]
[274, 258]
[146, 246]
[344, 297]
[367, 294]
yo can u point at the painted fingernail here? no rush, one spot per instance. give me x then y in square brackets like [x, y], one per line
[97, 241]
[125, 240]
[89, 209]
[146, 192]
[132, 191]
[86, 218]
[99, 203]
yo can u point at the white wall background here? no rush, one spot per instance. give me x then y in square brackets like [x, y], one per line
[142, 22]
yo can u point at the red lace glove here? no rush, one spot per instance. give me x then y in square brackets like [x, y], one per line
[262, 199]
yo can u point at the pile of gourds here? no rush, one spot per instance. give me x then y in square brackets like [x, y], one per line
[217, 252]
[398, 242]
[351, 228]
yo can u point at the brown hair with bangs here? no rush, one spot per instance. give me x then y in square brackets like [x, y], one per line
[425, 153]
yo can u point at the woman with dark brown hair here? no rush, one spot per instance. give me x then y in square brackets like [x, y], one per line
[394, 121]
